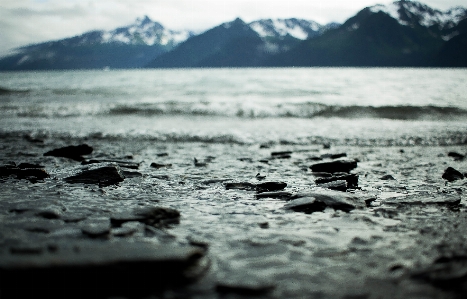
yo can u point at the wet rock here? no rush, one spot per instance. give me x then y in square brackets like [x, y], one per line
[387, 177]
[162, 154]
[199, 163]
[154, 216]
[260, 177]
[74, 152]
[31, 174]
[338, 185]
[270, 186]
[104, 176]
[334, 166]
[278, 194]
[426, 199]
[240, 186]
[451, 174]
[29, 165]
[456, 156]
[132, 174]
[157, 165]
[281, 155]
[318, 200]
[82, 269]
[350, 179]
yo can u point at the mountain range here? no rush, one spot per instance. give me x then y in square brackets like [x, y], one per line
[403, 33]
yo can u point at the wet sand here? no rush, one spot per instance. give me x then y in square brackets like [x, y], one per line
[403, 238]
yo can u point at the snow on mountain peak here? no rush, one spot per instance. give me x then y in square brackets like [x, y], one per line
[299, 29]
[147, 32]
[406, 11]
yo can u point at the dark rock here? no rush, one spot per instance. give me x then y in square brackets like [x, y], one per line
[260, 177]
[104, 176]
[279, 194]
[318, 200]
[240, 186]
[334, 166]
[338, 185]
[350, 179]
[198, 163]
[426, 198]
[282, 155]
[29, 165]
[31, 174]
[162, 154]
[456, 156]
[154, 216]
[387, 177]
[132, 174]
[450, 174]
[74, 152]
[157, 165]
[79, 269]
[270, 186]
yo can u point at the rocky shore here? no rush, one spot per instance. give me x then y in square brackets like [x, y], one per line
[101, 218]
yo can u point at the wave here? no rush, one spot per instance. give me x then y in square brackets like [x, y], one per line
[246, 109]
[306, 110]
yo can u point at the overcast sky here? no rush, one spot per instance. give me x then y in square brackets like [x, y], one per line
[24, 22]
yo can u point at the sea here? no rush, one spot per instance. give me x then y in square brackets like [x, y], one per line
[346, 106]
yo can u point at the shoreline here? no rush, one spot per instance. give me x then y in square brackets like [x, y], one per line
[386, 248]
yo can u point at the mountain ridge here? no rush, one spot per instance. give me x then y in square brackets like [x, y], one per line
[402, 33]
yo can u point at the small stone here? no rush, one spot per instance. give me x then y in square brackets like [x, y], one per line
[104, 176]
[278, 194]
[270, 186]
[334, 166]
[350, 179]
[74, 152]
[456, 156]
[451, 174]
[387, 177]
[157, 165]
[96, 227]
[318, 200]
[338, 185]
[240, 186]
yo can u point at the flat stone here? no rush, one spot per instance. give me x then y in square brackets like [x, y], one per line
[270, 186]
[104, 176]
[425, 199]
[338, 185]
[277, 194]
[451, 174]
[334, 166]
[319, 199]
[80, 268]
[350, 179]
[96, 227]
[74, 152]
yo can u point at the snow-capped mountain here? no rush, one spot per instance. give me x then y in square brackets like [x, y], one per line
[147, 32]
[410, 13]
[131, 46]
[280, 28]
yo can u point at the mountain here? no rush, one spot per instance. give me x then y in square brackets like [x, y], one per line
[238, 44]
[403, 33]
[125, 47]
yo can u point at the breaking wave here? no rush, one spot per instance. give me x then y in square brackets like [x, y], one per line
[301, 110]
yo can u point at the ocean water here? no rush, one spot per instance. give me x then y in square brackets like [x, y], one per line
[356, 106]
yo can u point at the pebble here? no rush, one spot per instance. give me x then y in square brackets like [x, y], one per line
[334, 166]
[451, 174]
[104, 176]
[74, 152]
